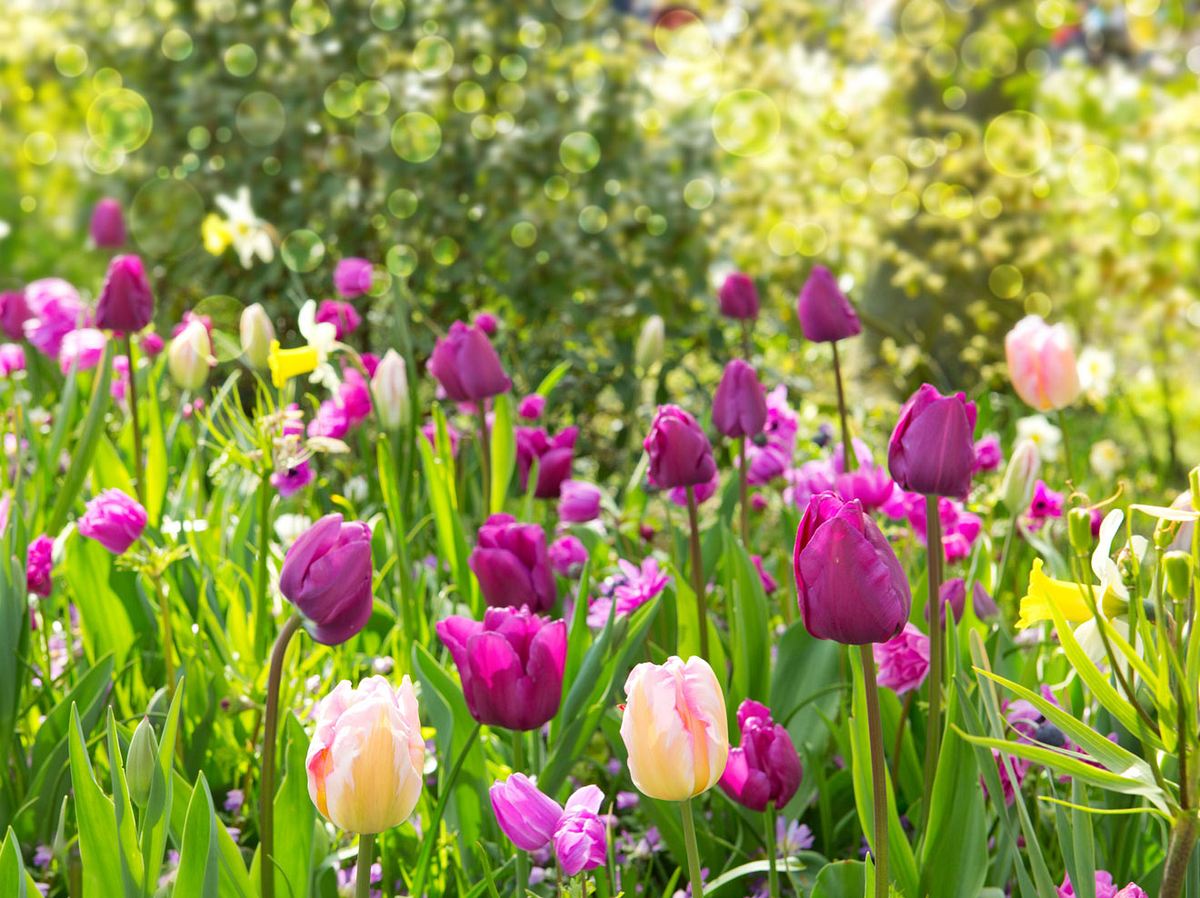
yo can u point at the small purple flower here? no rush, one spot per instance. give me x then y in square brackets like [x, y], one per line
[291, 480]
[352, 277]
[342, 315]
[567, 556]
[234, 799]
[629, 590]
[107, 226]
[1045, 505]
[903, 660]
[988, 454]
[579, 502]
[487, 322]
[531, 407]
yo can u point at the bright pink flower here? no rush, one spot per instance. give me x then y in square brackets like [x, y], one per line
[39, 564]
[531, 407]
[55, 310]
[579, 502]
[290, 481]
[82, 348]
[1105, 887]
[342, 315]
[988, 454]
[119, 388]
[554, 456]
[628, 590]
[12, 359]
[769, 583]
[108, 224]
[352, 277]
[13, 312]
[1045, 505]
[903, 660]
[114, 520]
[765, 768]
[1041, 363]
[126, 302]
[532, 820]
[702, 491]
[567, 555]
[151, 344]
[487, 322]
[770, 455]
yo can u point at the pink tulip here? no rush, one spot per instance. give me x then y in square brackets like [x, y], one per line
[352, 277]
[1041, 363]
[114, 520]
[903, 660]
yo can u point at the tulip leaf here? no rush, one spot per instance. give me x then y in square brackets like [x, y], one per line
[749, 636]
[233, 879]
[95, 819]
[87, 566]
[550, 381]
[132, 867]
[841, 879]
[108, 469]
[197, 876]
[14, 635]
[503, 451]
[68, 488]
[155, 821]
[154, 468]
[15, 881]
[782, 864]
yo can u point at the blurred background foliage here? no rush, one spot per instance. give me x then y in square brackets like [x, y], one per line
[578, 165]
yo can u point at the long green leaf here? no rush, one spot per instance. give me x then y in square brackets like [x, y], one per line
[503, 451]
[95, 821]
[197, 876]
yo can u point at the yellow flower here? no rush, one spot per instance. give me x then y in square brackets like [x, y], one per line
[216, 234]
[288, 363]
[1065, 595]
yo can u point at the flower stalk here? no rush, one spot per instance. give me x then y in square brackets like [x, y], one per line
[266, 807]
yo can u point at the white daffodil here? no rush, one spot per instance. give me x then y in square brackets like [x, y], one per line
[249, 234]
[1111, 588]
[1039, 431]
[1096, 371]
[322, 337]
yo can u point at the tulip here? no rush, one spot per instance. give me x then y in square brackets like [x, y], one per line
[674, 728]
[825, 313]
[567, 555]
[352, 277]
[151, 344]
[1042, 364]
[680, 454]
[954, 593]
[327, 574]
[343, 316]
[532, 820]
[903, 660]
[579, 502]
[39, 565]
[1016, 489]
[850, 585]
[389, 386]
[190, 356]
[739, 297]
[81, 348]
[54, 310]
[367, 756]
[290, 480]
[982, 602]
[113, 520]
[765, 768]
[257, 334]
[554, 457]
[581, 841]
[739, 405]
[510, 561]
[487, 322]
[988, 454]
[932, 451]
[107, 228]
[288, 363]
[466, 365]
[126, 302]
[13, 313]
[511, 665]
[651, 343]
[531, 407]
[141, 763]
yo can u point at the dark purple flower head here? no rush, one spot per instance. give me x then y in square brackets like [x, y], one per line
[327, 575]
[107, 226]
[466, 365]
[126, 301]
[739, 405]
[932, 450]
[554, 457]
[511, 562]
[825, 313]
[739, 297]
[680, 454]
[765, 768]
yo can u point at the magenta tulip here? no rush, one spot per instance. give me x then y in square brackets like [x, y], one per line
[512, 565]
[903, 660]
[511, 664]
[739, 405]
[579, 502]
[352, 277]
[466, 365]
[849, 583]
[107, 226]
[825, 313]
[739, 297]
[680, 454]
[13, 312]
[327, 575]
[554, 457]
[765, 768]
[567, 555]
[126, 301]
[932, 449]
[39, 563]
[342, 315]
[114, 520]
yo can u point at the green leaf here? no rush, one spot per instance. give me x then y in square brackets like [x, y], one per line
[503, 450]
[12, 867]
[108, 469]
[86, 565]
[783, 865]
[550, 381]
[197, 876]
[130, 854]
[841, 879]
[95, 819]
[14, 634]
[749, 636]
[81, 457]
[233, 878]
[156, 816]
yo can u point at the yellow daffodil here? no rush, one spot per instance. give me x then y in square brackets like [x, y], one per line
[288, 363]
[216, 234]
[1065, 595]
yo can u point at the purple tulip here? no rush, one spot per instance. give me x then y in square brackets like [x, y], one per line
[343, 316]
[903, 660]
[13, 312]
[982, 602]
[487, 322]
[511, 563]
[849, 583]
[580, 841]
[932, 450]
[12, 358]
[765, 768]
[152, 344]
[55, 310]
[567, 555]
[825, 313]
[739, 405]
[554, 456]
[39, 563]
[352, 277]
[327, 575]
[466, 365]
[680, 454]
[126, 303]
[953, 593]
[739, 297]
[526, 814]
[511, 665]
[108, 225]
[579, 502]
[114, 520]
[531, 407]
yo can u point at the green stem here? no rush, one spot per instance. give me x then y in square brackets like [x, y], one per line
[362, 871]
[747, 348]
[518, 755]
[1005, 552]
[260, 563]
[485, 458]
[743, 492]
[1183, 840]
[772, 873]
[693, 853]
[266, 797]
[849, 459]
[139, 480]
[168, 640]
[879, 845]
[933, 736]
[698, 572]
[1062, 426]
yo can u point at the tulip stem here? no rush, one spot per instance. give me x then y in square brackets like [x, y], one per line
[362, 868]
[266, 797]
[933, 540]
[260, 563]
[747, 348]
[1062, 426]
[698, 572]
[743, 493]
[772, 873]
[485, 459]
[695, 877]
[518, 759]
[879, 846]
[139, 479]
[849, 459]
[164, 611]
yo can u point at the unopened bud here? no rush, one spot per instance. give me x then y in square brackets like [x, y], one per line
[390, 389]
[1079, 530]
[257, 332]
[1177, 571]
[141, 763]
[650, 344]
[1019, 477]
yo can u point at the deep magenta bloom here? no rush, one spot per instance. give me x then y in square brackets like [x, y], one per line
[511, 665]
[342, 315]
[12, 358]
[55, 310]
[290, 481]
[825, 313]
[579, 502]
[739, 405]
[680, 454]
[352, 277]
[531, 407]
[567, 555]
[554, 457]
[739, 297]
[327, 575]
[487, 322]
[849, 583]
[1105, 887]
[1045, 505]
[330, 421]
[932, 450]
[13, 312]
[903, 660]
[126, 301]
[953, 593]
[107, 226]
[988, 454]
[152, 344]
[512, 565]
[466, 365]
[114, 520]
[39, 563]
[765, 768]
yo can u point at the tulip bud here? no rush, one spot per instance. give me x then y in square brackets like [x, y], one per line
[1079, 530]
[126, 302]
[257, 334]
[739, 297]
[680, 454]
[190, 356]
[825, 313]
[1020, 476]
[739, 405]
[327, 575]
[675, 728]
[932, 449]
[107, 226]
[390, 389]
[466, 365]
[114, 520]
[650, 344]
[1177, 569]
[352, 277]
[141, 763]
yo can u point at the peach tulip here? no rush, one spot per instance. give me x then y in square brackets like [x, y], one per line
[1041, 363]
[366, 758]
[675, 728]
